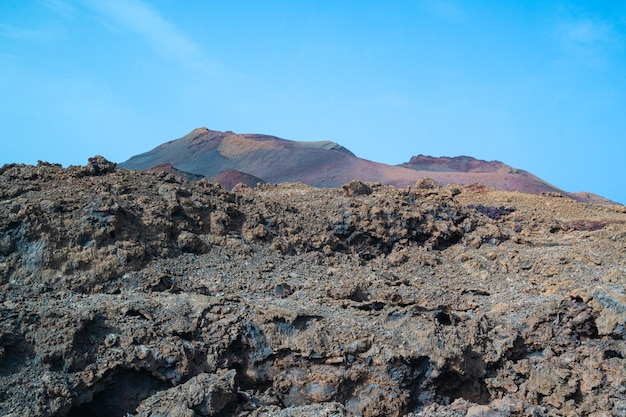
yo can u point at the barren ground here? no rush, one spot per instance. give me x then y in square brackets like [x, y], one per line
[125, 293]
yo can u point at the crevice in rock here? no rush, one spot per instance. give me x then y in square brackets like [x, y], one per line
[163, 283]
[136, 313]
[251, 381]
[16, 354]
[519, 350]
[610, 353]
[414, 371]
[443, 318]
[453, 239]
[577, 396]
[85, 342]
[452, 385]
[370, 306]
[117, 394]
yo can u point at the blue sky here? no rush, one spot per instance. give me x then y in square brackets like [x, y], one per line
[539, 85]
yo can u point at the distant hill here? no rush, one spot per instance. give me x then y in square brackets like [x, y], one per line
[171, 170]
[468, 170]
[456, 164]
[321, 164]
[228, 158]
[231, 177]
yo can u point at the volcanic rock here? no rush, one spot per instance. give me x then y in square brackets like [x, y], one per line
[140, 293]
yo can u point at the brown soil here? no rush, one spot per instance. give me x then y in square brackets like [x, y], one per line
[126, 293]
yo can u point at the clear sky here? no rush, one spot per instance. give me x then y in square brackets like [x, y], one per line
[539, 85]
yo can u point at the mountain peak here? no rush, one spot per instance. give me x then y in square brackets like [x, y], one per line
[250, 158]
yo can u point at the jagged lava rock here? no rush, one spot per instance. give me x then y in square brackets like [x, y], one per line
[129, 293]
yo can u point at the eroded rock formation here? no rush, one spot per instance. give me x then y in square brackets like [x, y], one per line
[145, 294]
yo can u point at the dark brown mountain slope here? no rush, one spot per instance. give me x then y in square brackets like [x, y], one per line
[231, 177]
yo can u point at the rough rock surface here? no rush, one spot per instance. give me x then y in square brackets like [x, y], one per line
[126, 293]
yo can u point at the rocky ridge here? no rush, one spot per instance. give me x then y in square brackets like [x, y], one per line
[227, 158]
[127, 293]
[455, 164]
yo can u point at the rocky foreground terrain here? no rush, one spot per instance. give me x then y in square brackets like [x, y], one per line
[144, 294]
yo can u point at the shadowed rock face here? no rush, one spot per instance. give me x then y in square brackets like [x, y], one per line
[231, 177]
[228, 158]
[134, 293]
[168, 168]
[456, 164]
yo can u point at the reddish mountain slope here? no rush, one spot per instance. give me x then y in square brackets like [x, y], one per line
[468, 170]
[228, 158]
[231, 177]
[322, 164]
[171, 170]
[456, 164]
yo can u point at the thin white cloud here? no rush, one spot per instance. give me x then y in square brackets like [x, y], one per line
[446, 10]
[61, 7]
[39, 30]
[587, 33]
[589, 40]
[24, 34]
[142, 19]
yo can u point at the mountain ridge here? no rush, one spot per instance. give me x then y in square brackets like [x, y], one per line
[209, 153]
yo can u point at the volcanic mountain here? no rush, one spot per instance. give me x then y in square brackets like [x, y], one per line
[320, 164]
[229, 158]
